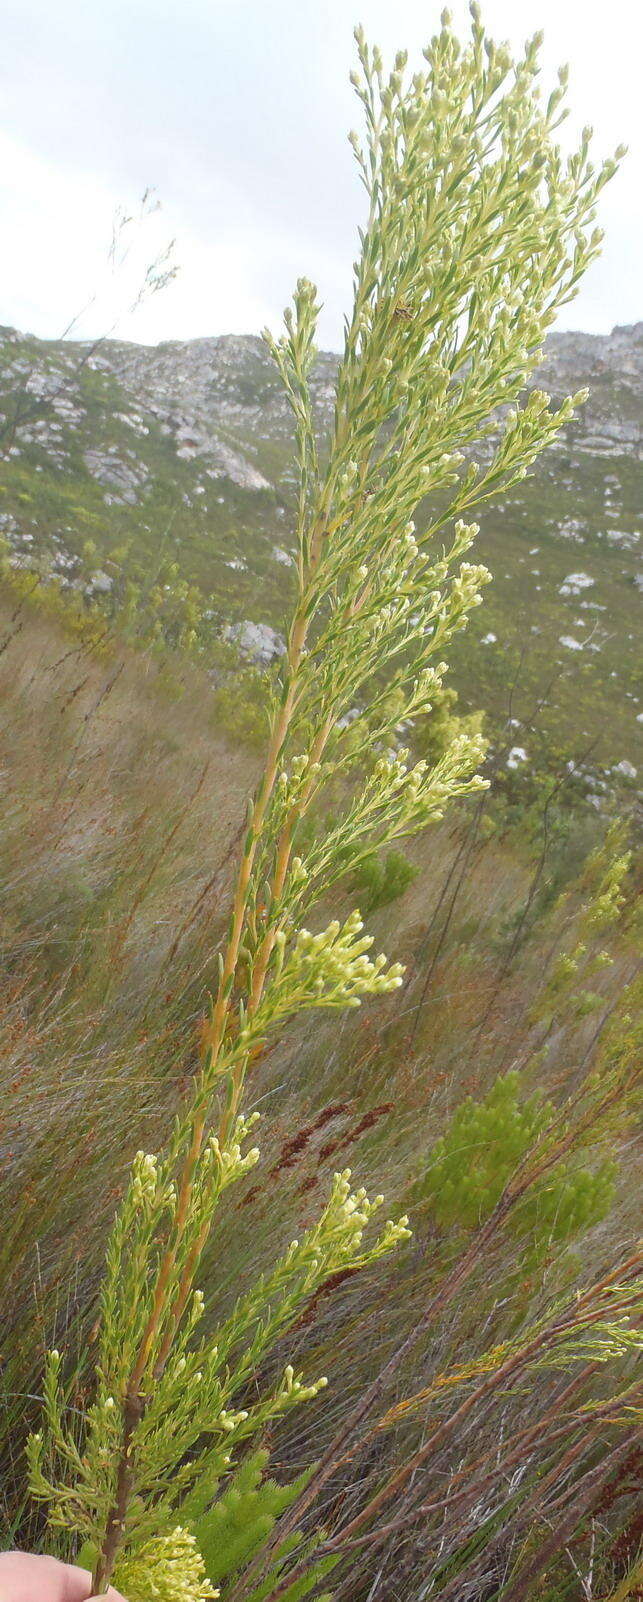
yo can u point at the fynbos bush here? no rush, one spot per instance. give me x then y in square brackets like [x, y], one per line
[382, 879]
[477, 230]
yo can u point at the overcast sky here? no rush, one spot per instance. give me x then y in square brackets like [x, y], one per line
[236, 111]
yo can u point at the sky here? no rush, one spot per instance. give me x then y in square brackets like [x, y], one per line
[235, 113]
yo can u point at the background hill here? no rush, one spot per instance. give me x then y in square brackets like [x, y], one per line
[131, 469]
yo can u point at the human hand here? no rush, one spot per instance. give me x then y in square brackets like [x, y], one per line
[26, 1577]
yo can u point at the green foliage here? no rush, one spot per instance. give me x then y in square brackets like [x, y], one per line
[434, 733]
[300, 1587]
[241, 707]
[382, 879]
[484, 1146]
[197, 1381]
[477, 232]
[231, 1533]
[602, 891]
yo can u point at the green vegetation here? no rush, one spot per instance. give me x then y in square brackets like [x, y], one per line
[382, 879]
[122, 874]
[473, 1162]
[164, 989]
[223, 540]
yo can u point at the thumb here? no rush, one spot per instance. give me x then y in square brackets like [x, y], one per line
[25, 1576]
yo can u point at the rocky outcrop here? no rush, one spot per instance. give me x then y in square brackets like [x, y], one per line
[181, 454]
[256, 641]
[124, 479]
[218, 401]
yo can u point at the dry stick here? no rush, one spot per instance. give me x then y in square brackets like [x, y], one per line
[514, 1365]
[558, 1402]
[592, 1483]
[12, 635]
[525, 1515]
[106, 690]
[519, 1444]
[514, 1459]
[469, 1496]
[73, 693]
[87, 647]
[87, 718]
[338, 1453]
[512, 1368]
[16, 614]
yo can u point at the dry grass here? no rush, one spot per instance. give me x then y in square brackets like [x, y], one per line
[118, 805]
[119, 820]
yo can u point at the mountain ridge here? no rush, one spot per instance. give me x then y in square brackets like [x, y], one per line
[182, 451]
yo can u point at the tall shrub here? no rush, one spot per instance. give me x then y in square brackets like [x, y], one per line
[477, 230]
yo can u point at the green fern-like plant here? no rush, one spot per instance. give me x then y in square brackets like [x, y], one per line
[383, 878]
[233, 1530]
[227, 1535]
[487, 1140]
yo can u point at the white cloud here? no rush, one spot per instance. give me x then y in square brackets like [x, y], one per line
[238, 112]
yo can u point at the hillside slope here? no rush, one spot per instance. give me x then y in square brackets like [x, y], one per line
[119, 454]
[121, 811]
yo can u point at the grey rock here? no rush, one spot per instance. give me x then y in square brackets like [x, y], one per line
[256, 641]
[112, 471]
[575, 583]
[100, 583]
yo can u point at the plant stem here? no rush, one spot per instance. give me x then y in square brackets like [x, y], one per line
[132, 1413]
[212, 1040]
